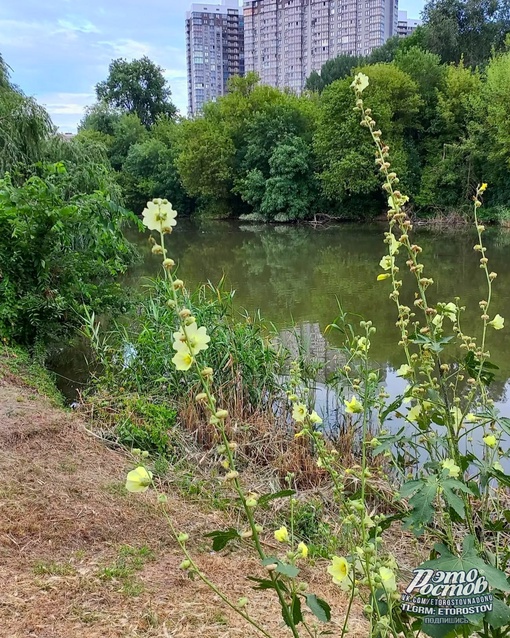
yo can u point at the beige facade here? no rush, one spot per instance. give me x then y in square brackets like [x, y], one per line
[285, 40]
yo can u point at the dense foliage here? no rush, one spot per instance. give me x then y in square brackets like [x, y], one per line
[58, 252]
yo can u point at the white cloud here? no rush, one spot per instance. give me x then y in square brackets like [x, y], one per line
[66, 109]
[78, 24]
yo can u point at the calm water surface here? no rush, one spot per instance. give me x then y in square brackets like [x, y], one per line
[297, 275]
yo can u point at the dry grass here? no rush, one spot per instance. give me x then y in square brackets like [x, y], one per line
[65, 522]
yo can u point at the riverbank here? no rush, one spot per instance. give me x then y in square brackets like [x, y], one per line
[86, 559]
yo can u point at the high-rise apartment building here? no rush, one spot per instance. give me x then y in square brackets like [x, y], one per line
[215, 50]
[406, 25]
[285, 40]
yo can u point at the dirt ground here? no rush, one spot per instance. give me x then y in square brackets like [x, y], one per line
[81, 557]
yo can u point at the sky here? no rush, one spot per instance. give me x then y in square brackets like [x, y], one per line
[58, 50]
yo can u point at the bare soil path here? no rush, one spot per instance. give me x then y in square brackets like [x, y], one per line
[80, 557]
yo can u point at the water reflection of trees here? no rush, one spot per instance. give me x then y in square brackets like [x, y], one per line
[296, 274]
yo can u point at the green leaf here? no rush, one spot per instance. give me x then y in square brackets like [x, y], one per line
[422, 503]
[475, 367]
[287, 570]
[500, 614]
[265, 583]
[262, 583]
[445, 631]
[319, 608]
[504, 422]
[391, 408]
[295, 609]
[409, 488]
[454, 501]
[266, 498]
[221, 538]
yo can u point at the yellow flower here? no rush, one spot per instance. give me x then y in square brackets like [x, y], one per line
[282, 535]
[195, 339]
[360, 82]
[159, 213]
[303, 550]
[387, 262]
[404, 370]
[299, 413]
[453, 470]
[394, 243]
[353, 406]
[315, 418]
[483, 188]
[340, 570]
[182, 360]
[497, 323]
[414, 413]
[138, 480]
[388, 579]
[490, 440]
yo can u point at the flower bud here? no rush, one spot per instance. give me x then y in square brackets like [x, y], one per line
[168, 263]
[201, 396]
[184, 313]
[207, 373]
[178, 283]
[221, 414]
[186, 564]
[182, 537]
[157, 249]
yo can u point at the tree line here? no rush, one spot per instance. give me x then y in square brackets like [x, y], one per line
[440, 97]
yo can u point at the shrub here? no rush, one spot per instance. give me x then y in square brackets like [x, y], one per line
[58, 252]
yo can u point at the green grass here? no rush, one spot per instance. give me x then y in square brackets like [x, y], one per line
[52, 568]
[30, 371]
[130, 560]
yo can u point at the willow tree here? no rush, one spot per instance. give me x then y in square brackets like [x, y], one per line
[24, 125]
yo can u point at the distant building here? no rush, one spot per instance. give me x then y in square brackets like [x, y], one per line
[406, 25]
[285, 40]
[215, 50]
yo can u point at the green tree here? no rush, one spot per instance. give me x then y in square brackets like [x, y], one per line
[335, 69]
[149, 171]
[386, 52]
[291, 191]
[494, 136]
[24, 125]
[138, 87]
[57, 253]
[344, 153]
[450, 172]
[466, 28]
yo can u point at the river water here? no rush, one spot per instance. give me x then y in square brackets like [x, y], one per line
[297, 276]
